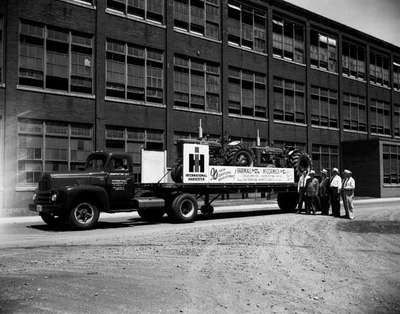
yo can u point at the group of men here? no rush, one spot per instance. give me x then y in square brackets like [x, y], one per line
[320, 195]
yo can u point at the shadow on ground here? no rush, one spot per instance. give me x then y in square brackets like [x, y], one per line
[132, 222]
[366, 226]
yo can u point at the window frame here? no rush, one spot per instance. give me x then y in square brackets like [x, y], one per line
[44, 37]
[146, 61]
[255, 83]
[358, 48]
[361, 106]
[328, 39]
[145, 18]
[382, 112]
[323, 150]
[44, 135]
[330, 122]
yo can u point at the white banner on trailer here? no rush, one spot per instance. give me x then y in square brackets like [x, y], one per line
[196, 169]
[223, 174]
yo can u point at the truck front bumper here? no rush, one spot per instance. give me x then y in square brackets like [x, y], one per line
[46, 209]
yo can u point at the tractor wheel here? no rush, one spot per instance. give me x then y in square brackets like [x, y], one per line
[239, 155]
[299, 160]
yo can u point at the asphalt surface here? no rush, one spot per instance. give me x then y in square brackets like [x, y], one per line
[248, 259]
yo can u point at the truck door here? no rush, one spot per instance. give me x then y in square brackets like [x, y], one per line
[120, 184]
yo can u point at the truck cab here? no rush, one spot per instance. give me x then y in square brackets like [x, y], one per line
[106, 183]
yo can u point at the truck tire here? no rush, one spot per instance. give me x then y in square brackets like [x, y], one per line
[183, 208]
[53, 221]
[83, 215]
[287, 201]
[207, 210]
[151, 215]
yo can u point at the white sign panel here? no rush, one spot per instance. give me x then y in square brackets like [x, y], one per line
[195, 163]
[153, 166]
[222, 174]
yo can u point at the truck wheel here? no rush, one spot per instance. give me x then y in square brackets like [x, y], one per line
[53, 221]
[83, 215]
[183, 208]
[287, 201]
[207, 210]
[151, 215]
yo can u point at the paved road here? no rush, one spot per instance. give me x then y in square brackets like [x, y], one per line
[250, 260]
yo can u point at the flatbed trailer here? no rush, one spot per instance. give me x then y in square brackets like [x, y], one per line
[181, 200]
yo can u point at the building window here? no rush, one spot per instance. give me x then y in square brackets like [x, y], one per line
[325, 157]
[1, 50]
[396, 119]
[152, 10]
[323, 51]
[55, 59]
[353, 60]
[289, 100]
[354, 113]
[198, 16]
[288, 39]
[379, 69]
[391, 164]
[247, 93]
[196, 84]
[396, 74]
[51, 147]
[380, 117]
[324, 107]
[247, 27]
[132, 141]
[134, 73]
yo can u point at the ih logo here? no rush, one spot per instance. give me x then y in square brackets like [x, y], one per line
[196, 161]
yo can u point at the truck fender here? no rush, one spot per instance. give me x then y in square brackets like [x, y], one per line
[85, 191]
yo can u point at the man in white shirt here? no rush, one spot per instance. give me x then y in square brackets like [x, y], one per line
[349, 185]
[301, 188]
[334, 190]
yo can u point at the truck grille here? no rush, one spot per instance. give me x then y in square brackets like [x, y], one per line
[45, 183]
[43, 198]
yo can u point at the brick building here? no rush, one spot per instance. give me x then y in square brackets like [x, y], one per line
[79, 75]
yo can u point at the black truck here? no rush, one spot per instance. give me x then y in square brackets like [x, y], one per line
[107, 184]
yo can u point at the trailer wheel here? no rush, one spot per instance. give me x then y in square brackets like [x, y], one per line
[183, 208]
[207, 210]
[287, 201]
[151, 215]
[83, 215]
[53, 221]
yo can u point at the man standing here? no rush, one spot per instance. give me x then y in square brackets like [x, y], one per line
[312, 187]
[301, 188]
[349, 185]
[334, 191]
[324, 192]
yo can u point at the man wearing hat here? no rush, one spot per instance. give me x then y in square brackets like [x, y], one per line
[335, 187]
[324, 192]
[312, 187]
[349, 185]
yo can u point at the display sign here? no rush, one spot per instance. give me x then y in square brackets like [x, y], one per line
[196, 169]
[195, 163]
[228, 174]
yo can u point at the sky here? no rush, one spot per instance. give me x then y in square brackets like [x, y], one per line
[379, 18]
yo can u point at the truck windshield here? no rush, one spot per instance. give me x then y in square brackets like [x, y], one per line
[96, 162]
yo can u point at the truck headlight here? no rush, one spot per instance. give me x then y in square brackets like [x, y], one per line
[54, 197]
[34, 197]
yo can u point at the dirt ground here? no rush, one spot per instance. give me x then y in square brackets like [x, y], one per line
[254, 262]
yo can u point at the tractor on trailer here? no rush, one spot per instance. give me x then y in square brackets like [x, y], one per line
[204, 171]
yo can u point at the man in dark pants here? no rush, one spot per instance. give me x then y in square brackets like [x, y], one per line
[312, 187]
[301, 189]
[335, 188]
[324, 192]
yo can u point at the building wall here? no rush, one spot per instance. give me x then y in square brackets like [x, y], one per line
[100, 111]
